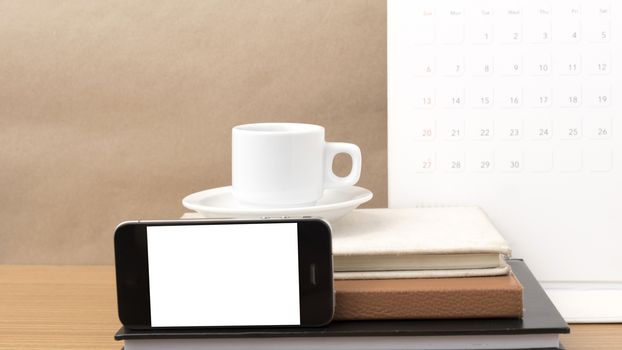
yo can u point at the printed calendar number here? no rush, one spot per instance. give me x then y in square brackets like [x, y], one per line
[509, 160]
[481, 129]
[599, 62]
[480, 64]
[514, 166]
[451, 128]
[481, 160]
[570, 128]
[568, 62]
[543, 101]
[424, 163]
[425, 129]
[511, 97]
[538, 94]
[423, 98]
[571, 100]
[570, 94]
[481, 33]
[480, 97]
[600, 32]
[451, 97]
[452, 161]
[510, 63]
[540, 129]
[510, 128]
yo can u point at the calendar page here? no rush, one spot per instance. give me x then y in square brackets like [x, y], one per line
[514, 106]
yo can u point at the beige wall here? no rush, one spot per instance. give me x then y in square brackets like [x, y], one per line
[115, 110]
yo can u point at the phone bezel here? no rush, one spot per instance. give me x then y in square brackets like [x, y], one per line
[132, 270]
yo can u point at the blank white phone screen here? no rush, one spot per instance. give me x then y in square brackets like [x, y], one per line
[223, 275]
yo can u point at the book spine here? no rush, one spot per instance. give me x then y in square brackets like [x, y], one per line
[428, 304]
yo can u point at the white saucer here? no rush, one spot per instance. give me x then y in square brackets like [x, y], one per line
[219, 203]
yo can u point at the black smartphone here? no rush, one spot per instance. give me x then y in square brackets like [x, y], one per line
[224, 273]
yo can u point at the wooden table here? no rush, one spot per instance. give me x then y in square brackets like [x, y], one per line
[74, 307]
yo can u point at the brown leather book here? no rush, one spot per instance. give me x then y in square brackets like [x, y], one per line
[429, 298]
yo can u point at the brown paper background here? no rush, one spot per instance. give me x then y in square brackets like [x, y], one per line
[115, 110]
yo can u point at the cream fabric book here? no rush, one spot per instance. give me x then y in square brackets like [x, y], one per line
[416, 243]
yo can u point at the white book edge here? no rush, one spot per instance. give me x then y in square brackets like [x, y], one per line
[391, 262]
[503, 269]
[450, 342]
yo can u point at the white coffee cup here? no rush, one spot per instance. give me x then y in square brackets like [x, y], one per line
[286, 164]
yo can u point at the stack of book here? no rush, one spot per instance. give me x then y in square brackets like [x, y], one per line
[424, 263]
[426, 278]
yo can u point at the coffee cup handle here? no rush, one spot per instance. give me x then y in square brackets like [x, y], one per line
[331, 149]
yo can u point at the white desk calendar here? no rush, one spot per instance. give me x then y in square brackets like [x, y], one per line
[516, 106]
